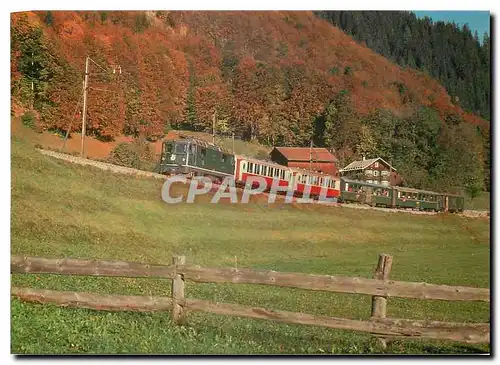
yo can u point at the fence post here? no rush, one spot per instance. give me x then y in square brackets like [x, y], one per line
[177, 290]
[379, 304]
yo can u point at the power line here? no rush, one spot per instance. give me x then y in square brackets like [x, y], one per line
[98, 65]
[71, 122]
[85, 88]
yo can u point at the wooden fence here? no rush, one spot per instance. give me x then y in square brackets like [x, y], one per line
[380, 288]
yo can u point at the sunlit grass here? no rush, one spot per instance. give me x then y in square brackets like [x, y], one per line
[65, 210]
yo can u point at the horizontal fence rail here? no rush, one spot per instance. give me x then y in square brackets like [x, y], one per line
[380, 288]
[463, 332]
[341, 284]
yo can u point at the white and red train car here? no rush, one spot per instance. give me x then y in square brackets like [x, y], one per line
[298, 178]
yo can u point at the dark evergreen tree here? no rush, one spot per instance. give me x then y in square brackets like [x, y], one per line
[447, 52]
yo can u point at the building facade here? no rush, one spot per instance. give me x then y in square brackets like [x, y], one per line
[375, 170]
[315, 159]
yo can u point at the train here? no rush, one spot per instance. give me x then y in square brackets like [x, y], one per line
[194, 157]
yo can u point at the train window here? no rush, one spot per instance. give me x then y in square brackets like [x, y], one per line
[282, 174]
[276, 172]
[203, 152]
[250, 167]
[271, 170]
[180, 148]
[223, 158]
[244, 167]
[264, 170]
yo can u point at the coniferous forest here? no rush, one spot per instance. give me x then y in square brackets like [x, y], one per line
[459, 59]
[279, 78]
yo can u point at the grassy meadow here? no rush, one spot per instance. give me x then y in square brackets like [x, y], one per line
[65, 210]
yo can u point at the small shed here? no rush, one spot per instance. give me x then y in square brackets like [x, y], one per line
[374, 170]
[315, 159]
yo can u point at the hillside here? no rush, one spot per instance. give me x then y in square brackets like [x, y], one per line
[64, 210]
[446, 51]
[281, 78]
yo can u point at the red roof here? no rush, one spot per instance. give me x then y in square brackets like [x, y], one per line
[303, 154]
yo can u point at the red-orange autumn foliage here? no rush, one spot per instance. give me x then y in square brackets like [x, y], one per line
[267, 73]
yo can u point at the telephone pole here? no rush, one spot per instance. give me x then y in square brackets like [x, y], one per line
[84, 114]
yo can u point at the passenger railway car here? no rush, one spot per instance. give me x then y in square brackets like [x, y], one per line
[398, 197]
[365, 193]
[300, 180]
[195, 157]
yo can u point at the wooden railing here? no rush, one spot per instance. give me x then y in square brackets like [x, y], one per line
[380, 287]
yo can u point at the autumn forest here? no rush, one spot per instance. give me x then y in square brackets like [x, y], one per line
[280, 78]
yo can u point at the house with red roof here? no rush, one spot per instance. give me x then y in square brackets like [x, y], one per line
[315, 159]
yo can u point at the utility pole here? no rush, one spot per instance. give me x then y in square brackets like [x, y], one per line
[32, 85]
[68, 131]
[84, 113]
[233, 142]
[310, 156]
[213, 127]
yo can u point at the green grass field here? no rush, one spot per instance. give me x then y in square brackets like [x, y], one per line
[65, 210]
[482, 202]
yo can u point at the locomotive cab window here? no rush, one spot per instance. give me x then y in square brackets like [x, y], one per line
[223, 157]
[203, 152]
[180, 148]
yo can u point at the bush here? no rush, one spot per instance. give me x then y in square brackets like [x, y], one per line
[137, 155]
[29, 119]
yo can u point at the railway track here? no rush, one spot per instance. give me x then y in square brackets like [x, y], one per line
[135, 172]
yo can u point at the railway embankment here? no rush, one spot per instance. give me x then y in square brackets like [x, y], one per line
[135, 172]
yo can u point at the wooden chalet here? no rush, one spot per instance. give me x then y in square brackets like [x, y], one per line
[374, 170]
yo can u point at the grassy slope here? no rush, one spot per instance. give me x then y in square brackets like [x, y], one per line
[59, 209]
[482, 202]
